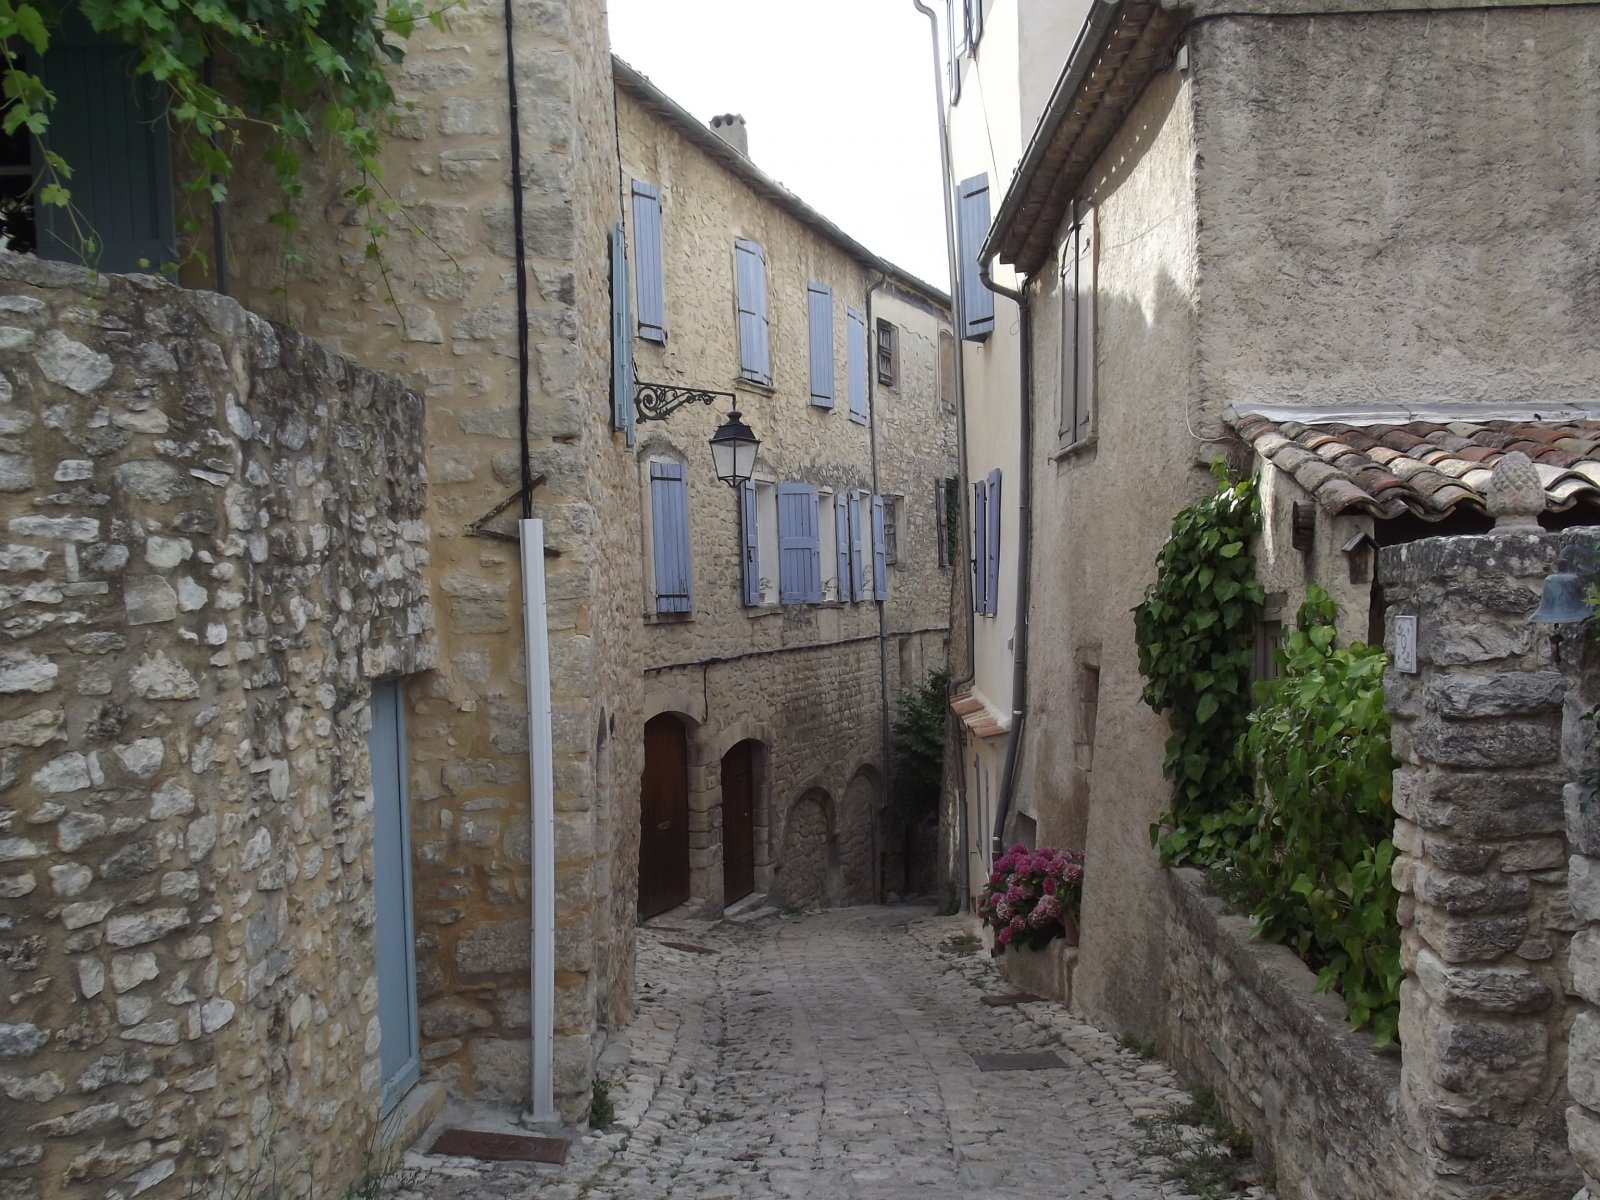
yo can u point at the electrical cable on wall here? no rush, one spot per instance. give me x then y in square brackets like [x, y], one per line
[521, 259]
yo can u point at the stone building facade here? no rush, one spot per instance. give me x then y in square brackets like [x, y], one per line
[215, 544]
[780, 698]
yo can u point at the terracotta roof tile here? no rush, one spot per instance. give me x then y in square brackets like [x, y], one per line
[976, 715]
[1425, 468]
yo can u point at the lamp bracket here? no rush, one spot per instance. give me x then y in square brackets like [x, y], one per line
[658, 401]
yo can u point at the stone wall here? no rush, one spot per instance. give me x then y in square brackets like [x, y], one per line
[1482, 869]
[1242, 1017]
[213, 545]
[1580, 663]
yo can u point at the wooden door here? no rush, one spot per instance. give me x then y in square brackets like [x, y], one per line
[738, 822]
[391, 887]
[664, 817]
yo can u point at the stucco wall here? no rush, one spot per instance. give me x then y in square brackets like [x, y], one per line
[1398, 208]
[1046, 33]
[450, 330]
[1103, 511]
[215, 546]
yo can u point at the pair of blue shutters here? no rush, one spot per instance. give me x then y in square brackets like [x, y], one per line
[800, 546]
[986, 545]
[669, 529]
[972, 227]
[819, 315]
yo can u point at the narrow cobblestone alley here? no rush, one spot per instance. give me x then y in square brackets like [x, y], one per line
[831, 1055]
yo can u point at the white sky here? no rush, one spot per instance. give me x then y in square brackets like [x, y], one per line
[838, 96]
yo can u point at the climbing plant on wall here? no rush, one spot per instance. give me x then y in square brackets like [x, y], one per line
[1196, 636]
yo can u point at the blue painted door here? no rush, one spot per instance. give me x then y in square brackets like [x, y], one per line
[391, 882]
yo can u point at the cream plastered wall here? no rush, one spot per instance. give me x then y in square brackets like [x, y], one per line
[805, 680]
[450, 329]
[1046, 32]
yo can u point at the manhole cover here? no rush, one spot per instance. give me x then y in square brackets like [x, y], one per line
[1014, 998]
[501, 1147]
[689, 946]
[1038, 1060]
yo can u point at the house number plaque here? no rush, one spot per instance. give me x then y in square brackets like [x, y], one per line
[1405, 645]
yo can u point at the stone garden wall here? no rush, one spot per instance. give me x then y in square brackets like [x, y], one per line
[212, 545]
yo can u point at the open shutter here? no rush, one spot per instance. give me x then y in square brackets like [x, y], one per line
[621, 337]
[1083, 329]
[647, 260]
[856, 358]
[880, 553]
[819, 315]
[858, 565]
[980, 543]
[750, 544]
[976, 8]
[669, 520]
[991, 587]
[799, 545]
[841, 543]
[972, 226]
[111, 127]
[750, 278]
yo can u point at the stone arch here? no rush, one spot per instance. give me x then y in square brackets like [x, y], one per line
[808, 868]
[861, 834]
[659, 700]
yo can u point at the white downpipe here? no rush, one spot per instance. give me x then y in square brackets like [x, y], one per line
[542, 814]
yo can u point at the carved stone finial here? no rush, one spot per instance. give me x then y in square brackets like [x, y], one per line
[1514, 495]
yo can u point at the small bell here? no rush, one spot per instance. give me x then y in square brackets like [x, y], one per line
[1562, 602]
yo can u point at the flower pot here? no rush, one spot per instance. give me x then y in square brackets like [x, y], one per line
[1069, 922]
[1046, 972]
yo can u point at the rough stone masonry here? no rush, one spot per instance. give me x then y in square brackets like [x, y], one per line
[212, 545]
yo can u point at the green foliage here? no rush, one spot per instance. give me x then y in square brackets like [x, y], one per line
[1196, 636]
[602, 1108]
[1317, 857]
[1207, 1154]
[293, 68]
[917, 745]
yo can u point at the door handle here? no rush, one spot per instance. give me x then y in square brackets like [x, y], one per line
[664, 825]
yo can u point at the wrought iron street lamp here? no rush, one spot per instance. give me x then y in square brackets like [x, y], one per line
[733, 446]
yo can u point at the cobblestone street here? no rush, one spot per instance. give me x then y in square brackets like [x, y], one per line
[830, 1055]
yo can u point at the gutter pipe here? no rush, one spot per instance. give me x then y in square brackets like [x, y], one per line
[542, 814]
[883, 605]
[956, 684]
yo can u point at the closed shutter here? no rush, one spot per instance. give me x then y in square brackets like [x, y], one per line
[799, 545]
[111, 128]
[1083, 330]
[621, 337]
[858, 566]
[972, 226]
[669, 520]
[856, 359]
[880, 552]
[841, 543]
[750, 544]
[991, 587]
[750, 279]
[819, 314]
[647, 260]
[980, 543]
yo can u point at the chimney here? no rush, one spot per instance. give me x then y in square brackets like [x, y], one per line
[730, 128]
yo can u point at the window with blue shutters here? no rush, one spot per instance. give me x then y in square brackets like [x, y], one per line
[980, 544]
[799, 545]
[880, 564]
[647, 261]
[750, 287]
[858, 562]
[972, 226]
[856, 359]
[819, 317]
[750, 545]
[991, 546]
[621, 337]
[669, 537]
[841, 542]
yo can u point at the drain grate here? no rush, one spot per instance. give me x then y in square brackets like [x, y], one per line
[1039, 1060]
[1008, 1000]
[500, 1147]
[690, 947]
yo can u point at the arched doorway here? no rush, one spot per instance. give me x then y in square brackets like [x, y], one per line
[740, 779]
[808, 872]
[664, 817]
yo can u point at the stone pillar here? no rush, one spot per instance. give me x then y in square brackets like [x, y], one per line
[1482, 867]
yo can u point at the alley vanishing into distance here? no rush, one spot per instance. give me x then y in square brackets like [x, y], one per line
[832, 1055]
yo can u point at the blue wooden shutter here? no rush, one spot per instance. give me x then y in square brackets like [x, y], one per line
[621, 337]
[880, 555]
[819, 313]
[111, 127]
[856, 358]
[669, 518]
[799, 545]
[750, 278]
[841, 543]
[972, 226]
[991, 589]
[858, 565]
[750, 543]
[980, 544]
[647, 258]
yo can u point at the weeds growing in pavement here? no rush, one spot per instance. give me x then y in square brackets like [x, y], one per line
[602, 1108]
[1137, 1045]
[1208, 1155]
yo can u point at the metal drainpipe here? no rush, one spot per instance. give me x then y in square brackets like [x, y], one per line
[956, 684]
[883, 605]
[1019, 632]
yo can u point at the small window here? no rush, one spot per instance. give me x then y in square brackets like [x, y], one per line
[888, 354]
[947, 517]
[891, 533]
[1268, 641]
[828, 533]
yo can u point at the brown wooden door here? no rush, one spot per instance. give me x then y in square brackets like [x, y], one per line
[664, 817]
[738, 822]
